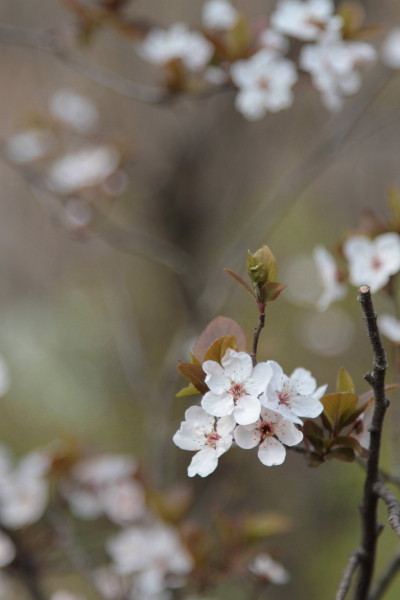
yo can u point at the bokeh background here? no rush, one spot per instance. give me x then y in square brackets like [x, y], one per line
[92, 332]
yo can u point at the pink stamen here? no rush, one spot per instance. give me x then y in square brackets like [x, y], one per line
[212, 439]
[237, 390]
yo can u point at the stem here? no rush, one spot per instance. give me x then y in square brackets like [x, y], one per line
[257, 332]
[392, 504]
[368, 509]
[352, 564]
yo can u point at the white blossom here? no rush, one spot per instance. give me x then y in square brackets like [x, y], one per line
[265, 83]
[334, 67]
[7, 550]
[360, 429]
[29, 145]
[273, 40]
[390, 51]
[332, 289]
[269, 433]
[209, 436]
[110, 585]
[74, 110]
[219, 15]
[390, 327]
[305, 20]
[104, 469]
[264, 566]
[372, 261]
[235, 386]
[83, 168]
[65, 595]
[295, 396]
[161, 46]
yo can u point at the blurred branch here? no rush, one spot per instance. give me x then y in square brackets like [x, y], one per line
[352, 564]
[368, 509]
[392, 568]
[392, 504]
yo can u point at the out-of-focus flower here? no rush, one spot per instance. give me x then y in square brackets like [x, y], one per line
[104, 469]
[390, 51]
[273, 40]
[235, 387]
[74, 110]
[360, 429]
[264, 566]
[64, 595]
[28, 146]
[332, 289]
[219, 15]
[161, 46]
[156, 547]
[110, 585]
[295, 396]
[77, 214]
[265, 83]
[390, 327]
[372, 262]
[209, 436]
[123, 502]
[83, 168]
[269, 433]
[7, 550]
[334, 67]
[305, 20]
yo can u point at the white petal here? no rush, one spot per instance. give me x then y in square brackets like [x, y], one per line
[215, 378]
[390, 327]
[306, 406]
[271, 452]
[203, 463]
[305, 382]
[259, 379]
[246, 436]
[247, 410]
[238, 365]
[218, 405]
[288, 433]
[225, 425]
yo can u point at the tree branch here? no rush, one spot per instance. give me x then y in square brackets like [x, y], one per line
[393, 506]
[352, 564]
[257, 331]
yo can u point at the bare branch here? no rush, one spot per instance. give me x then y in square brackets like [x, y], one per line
[393, 506]
[352, 564]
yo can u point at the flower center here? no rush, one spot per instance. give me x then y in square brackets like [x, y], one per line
[237, 390]
[263, 83]
[265, 429]
[376, 263]
[284, 397]
[212, 439]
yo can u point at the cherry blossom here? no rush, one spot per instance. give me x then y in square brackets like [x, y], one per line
[372, 261]
[390, 51]
[332, 289]
[265, 83]
[29, 145]
[264, 566]
[219, 15]
[162, 46]
[305, 20]
[273, 40]
[360, 429]
[269, 433]
[390, 327]
[209, 436]
[74, 110]
[295, 396]
[334, 67]
[235, 386]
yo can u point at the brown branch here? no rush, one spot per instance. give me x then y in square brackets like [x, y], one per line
[386, 578]
[393, 506]
[352, 564]
[368, 509]
[257, 331]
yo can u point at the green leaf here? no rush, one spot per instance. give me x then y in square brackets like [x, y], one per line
[344, 454]
[261, 266]
[263, 524]
[189, 390]
[218, 348]
[347, 442]
[338, 408]
[195, 374]
[344, 382]
[241, 281]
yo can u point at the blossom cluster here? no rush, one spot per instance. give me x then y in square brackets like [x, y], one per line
[264, 63]
[255, 406]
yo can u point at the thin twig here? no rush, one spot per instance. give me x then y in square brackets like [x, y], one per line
[368, 509]
[352, 564]
[257, 331]
[393, 506]
[386, 578]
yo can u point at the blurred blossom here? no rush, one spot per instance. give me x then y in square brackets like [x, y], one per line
[390, 51]
[64, 595]
[372, 261]
[264, 566]
[360, 429]
[161, 46]
[115, 184]
[265, 83]
[305, 20]
[83, 168]
[215, 75]
[104, 469]
[74, 110]
[332, 289]
[301, 276]
[4, 377]
[334, 67]
[219, 15]
[123, 502]
[329, 333]
[390, 327]
[273, 40]
[29, 145]
[77, 214]
[7, 550]
[110, 585]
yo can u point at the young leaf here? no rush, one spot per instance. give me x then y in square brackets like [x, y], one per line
[337, 409]
[344, 382]
[261, 266]
[241, 281]
[345, 454]
[195, 374]
[218, 348]
[271, 290]
[218, 327]
[189, 390]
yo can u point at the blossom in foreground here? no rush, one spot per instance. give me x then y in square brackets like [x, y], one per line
[235, 386]
[390, 327]
[83, 168]
[74, 110]
[332, 289]
[390, 51]
[219, 15]
[265, 83]
[372, 261]
[264, 566]
[162, 46]
[270, 433]
[305, 20]
[334, 67]
[295, 396]
[208, 436]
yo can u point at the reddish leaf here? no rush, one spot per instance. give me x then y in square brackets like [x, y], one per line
[218, 327]
[271, 290]
[345, 454]
[241, 281]
[218, 348]
[195, 374]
